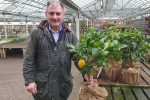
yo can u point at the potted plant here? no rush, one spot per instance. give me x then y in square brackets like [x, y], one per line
[96, 49]
[113, 71]
[136, 48]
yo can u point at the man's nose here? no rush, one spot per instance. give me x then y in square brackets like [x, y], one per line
[55, 16]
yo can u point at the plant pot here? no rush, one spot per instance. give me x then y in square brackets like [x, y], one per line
[131, 75]
[95, 70]
[92, 93]
[114, 71]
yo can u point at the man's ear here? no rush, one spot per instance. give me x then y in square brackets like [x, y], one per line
[46, 14]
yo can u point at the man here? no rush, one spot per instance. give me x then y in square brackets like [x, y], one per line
[47, 61]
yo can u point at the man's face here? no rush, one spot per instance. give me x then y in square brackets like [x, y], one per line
[55, 16]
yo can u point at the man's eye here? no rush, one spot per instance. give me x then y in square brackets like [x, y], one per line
[58, 14]
[51, 13]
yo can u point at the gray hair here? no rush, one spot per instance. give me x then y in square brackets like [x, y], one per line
[55, 3]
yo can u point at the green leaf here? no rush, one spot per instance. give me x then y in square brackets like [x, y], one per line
[106, 52]
[92, 73]
[106, 60]
[88, 42]
[89, 51]
[77, 45]
[134, 45]
[116, 42]
[96, 53]
[126, 56]
[133, 56]
[106, 45]
[70, 45]
[98, 44]
[87, 71]
[133, 33]
[104, 64]
[123, 46]
[112, 44]
[102, 40]
[142, 58]
[72, 50]
[91, 44]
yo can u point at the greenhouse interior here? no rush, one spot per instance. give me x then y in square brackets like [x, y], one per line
[113, 47]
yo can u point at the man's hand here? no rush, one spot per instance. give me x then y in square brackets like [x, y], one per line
[32, 88]
[90, 81]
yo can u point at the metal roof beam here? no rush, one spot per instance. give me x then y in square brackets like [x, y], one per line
[6, 13]
[73, 7]
[27, 4]
[109, 4]
[69, 5]
[97, 12]
[92, 14]
[90, 4]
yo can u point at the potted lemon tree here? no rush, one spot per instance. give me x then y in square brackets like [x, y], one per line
[135, 51]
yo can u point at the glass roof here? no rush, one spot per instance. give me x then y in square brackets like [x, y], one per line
[92, 9]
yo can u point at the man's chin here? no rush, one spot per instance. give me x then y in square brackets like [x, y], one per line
[55, 25]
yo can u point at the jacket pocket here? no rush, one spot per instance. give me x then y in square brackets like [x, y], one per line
[42, 84]
[67, 85]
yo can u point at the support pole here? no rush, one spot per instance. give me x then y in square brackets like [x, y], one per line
[87, 22]
[77, 26]
[12, 26]
[5, 27]
[26, 26]
[73, 22]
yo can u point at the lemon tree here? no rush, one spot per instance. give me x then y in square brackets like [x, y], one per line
[95, 47]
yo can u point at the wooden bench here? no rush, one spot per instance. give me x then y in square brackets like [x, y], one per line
[10, 46]
[119, 91]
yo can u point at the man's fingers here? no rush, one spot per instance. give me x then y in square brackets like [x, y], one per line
[32, 88]
[86, 77]
[29, 89]
[35, 89]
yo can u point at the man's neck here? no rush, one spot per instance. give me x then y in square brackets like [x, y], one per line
[55, 29]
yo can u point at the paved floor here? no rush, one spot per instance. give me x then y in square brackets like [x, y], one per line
[12, 82]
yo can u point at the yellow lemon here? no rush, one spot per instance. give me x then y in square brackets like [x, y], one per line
[81, 63]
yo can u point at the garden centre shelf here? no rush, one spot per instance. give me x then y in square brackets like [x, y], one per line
[122, 28]
[120, 91]
[10, 46]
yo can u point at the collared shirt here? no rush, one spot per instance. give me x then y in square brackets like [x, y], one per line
[55, 34]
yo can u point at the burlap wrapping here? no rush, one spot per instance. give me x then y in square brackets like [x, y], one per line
[92, 93]
[131, 75]
[113, 72]
[95, 70]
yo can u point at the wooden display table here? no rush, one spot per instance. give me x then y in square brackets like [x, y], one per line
[120, 91]
[1, 53]
[10, 46]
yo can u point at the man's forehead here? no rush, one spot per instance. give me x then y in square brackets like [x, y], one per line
[52, 8]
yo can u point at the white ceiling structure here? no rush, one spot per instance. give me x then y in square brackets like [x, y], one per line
[33, 10]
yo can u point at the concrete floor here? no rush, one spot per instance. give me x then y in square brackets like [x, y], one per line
[12, 81]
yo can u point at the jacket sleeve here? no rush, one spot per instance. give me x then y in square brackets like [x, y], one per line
[29, 59]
